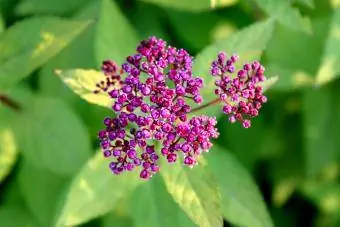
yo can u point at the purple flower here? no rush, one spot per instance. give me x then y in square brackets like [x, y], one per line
[241, 96]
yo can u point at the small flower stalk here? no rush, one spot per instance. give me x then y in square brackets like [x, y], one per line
[153, 95]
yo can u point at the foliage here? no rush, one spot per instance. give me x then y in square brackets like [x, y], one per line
[286, 165]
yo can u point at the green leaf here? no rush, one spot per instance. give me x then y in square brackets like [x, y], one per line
[31, 43]
[8, 149]
[83, 83]
[161, 211]
[286, 14]
[27, 7]
[192, 5]
[16, 216]
[194, 190]
[239, 42]
[309, 3]
[114, 38]
[41, 200]
[330, 63]
[95, 191]
[320, 141]
[242, 203]
[116, 220]
[60, 142]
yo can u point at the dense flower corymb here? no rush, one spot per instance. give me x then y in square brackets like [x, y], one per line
[152, 95]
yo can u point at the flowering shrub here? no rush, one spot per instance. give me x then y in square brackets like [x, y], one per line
[155, 95]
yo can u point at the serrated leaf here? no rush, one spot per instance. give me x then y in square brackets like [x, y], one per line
[162, 210]
[30, 43]
[239, 42]
[41, 200]
[27, 7]
[83, 83]
[193, 5]
[95, 191]
[60, 143]
[16, 216]
[286, 14]
[114, 38]
[242, 203]
[329, 68]
[8, 149]
[194, 190]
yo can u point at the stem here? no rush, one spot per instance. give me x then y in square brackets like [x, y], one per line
[211, 103]
[7, 101]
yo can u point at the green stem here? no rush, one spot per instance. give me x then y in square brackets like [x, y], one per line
[211, 103]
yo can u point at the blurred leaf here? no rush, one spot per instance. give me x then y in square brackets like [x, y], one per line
[286, 14]
[30, 43]
[192, 5]
[28, 7]
[286, 54]
[115, 38]
[325, 195]
[95, 191]
[309, 3]
[41, 200]
[161, 211]
[60, 142]
[2, 24]
[73, 57]
[330, 64]
[83, 83]
[197, 37]
[242, 203]
[148, 20]
[15, 216]
[194, 190]
[320, 139]
[116, 220]
[239, 42]
[8, 149]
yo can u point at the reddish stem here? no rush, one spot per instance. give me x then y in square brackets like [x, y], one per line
[5, 100]
[211, 103]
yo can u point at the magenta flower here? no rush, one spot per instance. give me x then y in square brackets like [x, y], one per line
[153, 94]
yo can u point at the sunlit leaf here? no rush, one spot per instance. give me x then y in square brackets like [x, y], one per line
[30, 43]
[95, 191]
[83, 83]
[195, 192]
[242, 204]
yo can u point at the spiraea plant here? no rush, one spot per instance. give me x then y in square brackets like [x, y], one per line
[154, 97]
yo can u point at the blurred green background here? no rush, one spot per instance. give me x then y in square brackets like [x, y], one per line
[291, 150]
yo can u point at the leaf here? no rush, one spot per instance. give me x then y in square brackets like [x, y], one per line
[309, 3]
[242, 203]
[195, 192]
[114, 38]
[320, 147]
[286, 14]
[162, 210]
[95, 191]
[31, 43]
[239, 42]
[297, 71]
[41, 200]
[116, 220]
[60, 142]
[8, 149]
[16, 216]
[329, 68]
[27, 7]
[192, 5]
[83, 83]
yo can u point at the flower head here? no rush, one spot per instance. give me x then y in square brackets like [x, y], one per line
[156, 89]
[241, 95]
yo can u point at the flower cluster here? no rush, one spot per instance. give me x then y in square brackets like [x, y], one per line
[241, 95]
[152, 94]
[153, 100]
